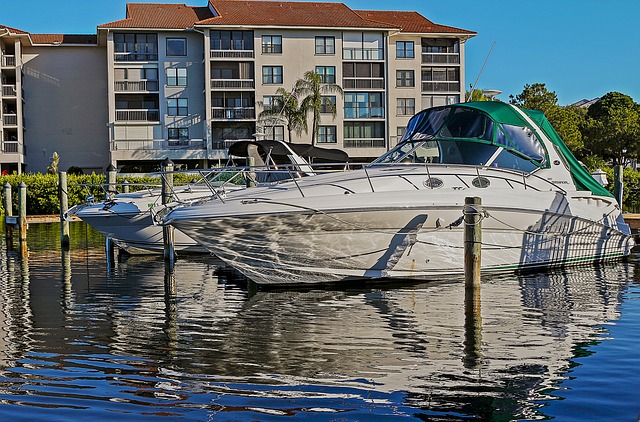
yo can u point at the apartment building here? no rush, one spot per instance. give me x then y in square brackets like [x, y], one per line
[185, 82]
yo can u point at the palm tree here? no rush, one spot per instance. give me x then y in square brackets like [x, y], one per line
[285, 108]
[312, 89]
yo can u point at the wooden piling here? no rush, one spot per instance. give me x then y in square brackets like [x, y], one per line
[250, 174]
[63, 195]
[618, 183]
[22, 211]
[125, 186]
[167, 197]
[9, 220]
[111, 182]
[472, 261]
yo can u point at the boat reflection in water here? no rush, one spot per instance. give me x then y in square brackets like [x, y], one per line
[140, 341]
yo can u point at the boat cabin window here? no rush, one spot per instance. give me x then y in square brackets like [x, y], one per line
[521, 139]
[426, 125]
[466, 123]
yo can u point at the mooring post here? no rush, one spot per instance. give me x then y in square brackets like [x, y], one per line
[472, 261]
[125, 186]
[111, 182]
[250, 174]
[167, 197]
[9, 221]
[618, 172]
[63, 194]
[22, 211]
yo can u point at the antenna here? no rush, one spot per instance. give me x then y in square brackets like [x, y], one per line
[480, 73]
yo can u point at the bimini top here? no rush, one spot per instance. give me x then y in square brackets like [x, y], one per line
[487, 133]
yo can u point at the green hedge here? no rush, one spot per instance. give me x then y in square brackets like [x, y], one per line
[42, 189]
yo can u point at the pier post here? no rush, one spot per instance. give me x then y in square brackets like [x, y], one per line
[22, 211]
[250, 174]
[618, 183]
[111, 182]
[63, 194]
[8, 212]
[472, 261]
[167, 197]
[125, 186]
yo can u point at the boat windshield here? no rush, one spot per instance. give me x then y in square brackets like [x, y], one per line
[469, 137]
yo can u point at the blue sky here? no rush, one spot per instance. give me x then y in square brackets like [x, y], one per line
[578, 48]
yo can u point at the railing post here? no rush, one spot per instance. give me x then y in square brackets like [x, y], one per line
[8, 212]
[22, 214]
[63, 195]
[167, 197]
[111, 182]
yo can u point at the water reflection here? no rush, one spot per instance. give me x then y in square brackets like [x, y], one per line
[136, 338]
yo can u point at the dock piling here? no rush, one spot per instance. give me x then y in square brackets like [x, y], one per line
[9, 220]
[22, 211]
[111, 182]
[167, 197]
[618, 183]
[63, 194]
[472, 261]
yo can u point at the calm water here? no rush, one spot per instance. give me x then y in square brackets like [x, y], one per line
[83, 340]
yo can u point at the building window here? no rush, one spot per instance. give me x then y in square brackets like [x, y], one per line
[406, 107]
[327, 135]
[363, 75]
[440, 79]
[274, 133]
[272, 44]
[363, 105]
[270, 102]
[231, 40]
[177, 77]
[404, 78]
[364, 135]
[177, 107]
[178, 136]
[404, 50]
[328, 104]
[327, 74]
[176, 46]
[325, 45]
[400, 131]
[135, 47]
[271, 74]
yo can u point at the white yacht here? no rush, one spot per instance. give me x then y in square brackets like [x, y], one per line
[400, 216]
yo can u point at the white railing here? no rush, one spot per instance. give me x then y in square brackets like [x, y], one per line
[144, 85]
[233, 83]
[141, 115]
[221, 144]
[10, 119]
[364, 143]
[362, 53]
[135, 57]
[363, 112]
[441, 58]
[157, 145]
[363, 83]
[232, 54]
[8, 61]
[431, 86]
[9, 91]
[11, 147]
[233, 113]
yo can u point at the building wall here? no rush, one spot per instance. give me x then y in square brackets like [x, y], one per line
[66, 107]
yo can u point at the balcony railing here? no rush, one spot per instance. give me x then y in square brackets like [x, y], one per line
[8, 61]
[233, 113]
[441, 58]
[363, 83]
[10, 119]
[8, 90]
[221, 144]
[364, 112]
[430, 86]
[231, 54]
[362, 53]
[11, 147]
[364, 143]
[135, 57]
[157, 145]
[141, 115]
[144, 85]
[232, 83]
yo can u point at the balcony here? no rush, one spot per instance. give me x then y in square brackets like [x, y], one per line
[363, 112]
[158, 145]
[363, 83]
[10, 119]
[440, 58]
[135, 57]
[231, 54]
[233, 113]
[363, 54]
[364, 143]
[136, 86]
[232, 84]
[431, 86]
[8, 61]
[11, 147]
[140, 115]
[9, 91]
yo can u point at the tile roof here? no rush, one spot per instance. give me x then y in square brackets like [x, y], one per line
[288, 13]
[159, 16]
[13, 30]
[64, 39]
[410, 22]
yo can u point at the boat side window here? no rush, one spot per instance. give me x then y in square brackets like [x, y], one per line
[521, 139]
[425, 124]
[398, 154]
[508, 160]
[466, 152]
[466, 123]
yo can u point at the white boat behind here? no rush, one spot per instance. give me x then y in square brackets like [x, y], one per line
[401, 216]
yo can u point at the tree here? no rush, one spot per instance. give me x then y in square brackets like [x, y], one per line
[312, 89]
[476, 95]
[285, 107]
[536, 97]
[568, 121]
[612, 128]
